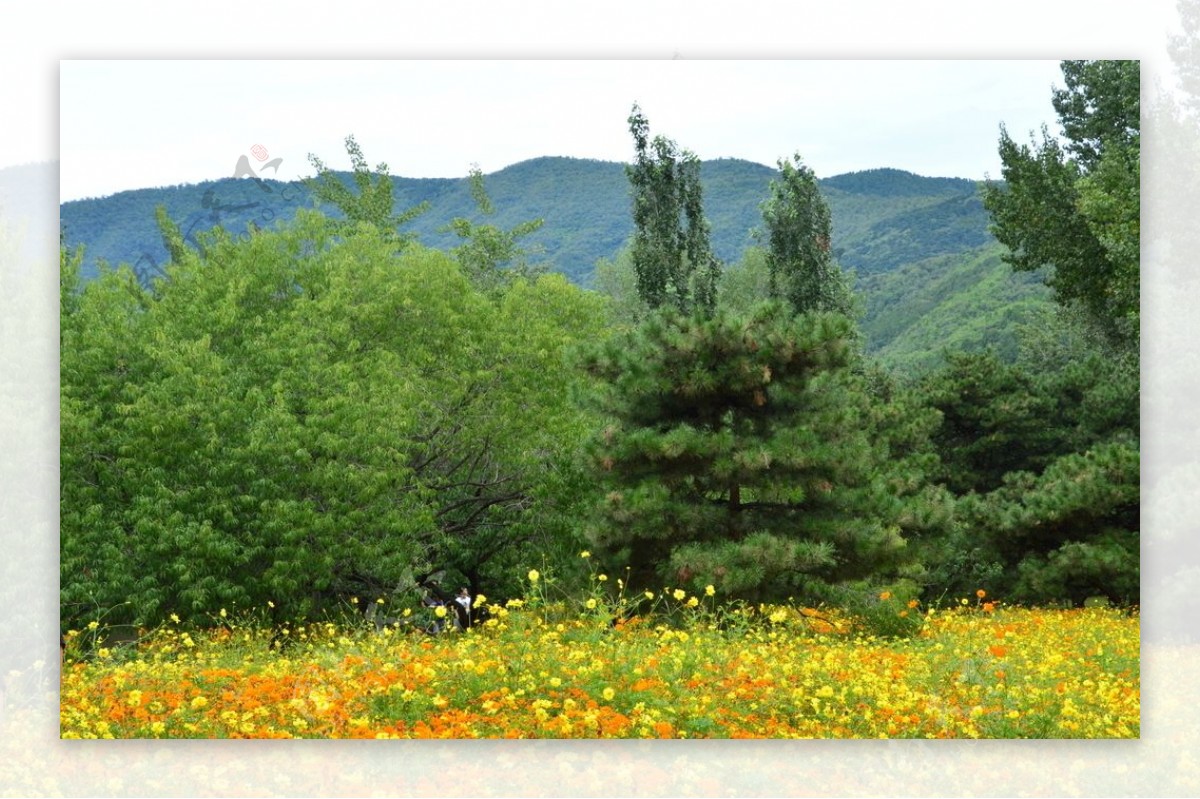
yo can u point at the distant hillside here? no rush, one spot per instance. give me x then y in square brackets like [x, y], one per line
[882, 218]
[966, 301]
[929, 271]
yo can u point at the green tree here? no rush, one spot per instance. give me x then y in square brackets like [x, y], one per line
[302, 416]
[374, 202]
[994, 421]
[672, 256]
[489, 256]
[1042, 454]
[1074, 207]
[1068, 533]
[799, 231]
[615, 280]
[746, 282]
[741, 453]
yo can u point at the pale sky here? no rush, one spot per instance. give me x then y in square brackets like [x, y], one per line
[136, 124]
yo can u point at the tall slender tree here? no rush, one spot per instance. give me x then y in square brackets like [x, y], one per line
[672, 256]
[799, 232]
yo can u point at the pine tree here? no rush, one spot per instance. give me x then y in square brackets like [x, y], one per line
[741, 454]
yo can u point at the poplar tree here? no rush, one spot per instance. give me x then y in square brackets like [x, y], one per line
[798, 233]
[672, 256]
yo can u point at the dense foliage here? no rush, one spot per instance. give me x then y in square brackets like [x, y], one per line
[293, 418]
[673, 262]
[1075, 206]
[799, 238]
[1044, 452]
[741, 455]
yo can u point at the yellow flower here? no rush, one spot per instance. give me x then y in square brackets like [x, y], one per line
[679, 594]
[480, 599]
[223, 613]
[353, 600]
[709, 590]
[649, 595]
[602, 577]
[199, 702]
[693, 602]
[534, 576]
[440, 611]
[591, 604]
[585, 554]
[608, 694]
[379, 601]
[93, 625]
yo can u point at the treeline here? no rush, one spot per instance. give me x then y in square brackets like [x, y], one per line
[296, 419]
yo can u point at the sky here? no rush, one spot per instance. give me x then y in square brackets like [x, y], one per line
[138, 124]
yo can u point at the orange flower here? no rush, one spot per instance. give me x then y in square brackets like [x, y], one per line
[981, 593]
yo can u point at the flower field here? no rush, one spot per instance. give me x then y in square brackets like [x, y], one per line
[700, 670]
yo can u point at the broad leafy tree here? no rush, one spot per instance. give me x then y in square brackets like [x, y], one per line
[301, 417]
[370, 200]
[490, 256]
[1073, 207]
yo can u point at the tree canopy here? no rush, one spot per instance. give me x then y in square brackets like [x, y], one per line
[1074, 207]
[301, 416]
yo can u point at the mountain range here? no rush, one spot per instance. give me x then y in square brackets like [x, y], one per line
[929, 272]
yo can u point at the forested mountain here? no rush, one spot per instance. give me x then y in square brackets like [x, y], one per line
[969, 300]
[883, 218]
[930, 229]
